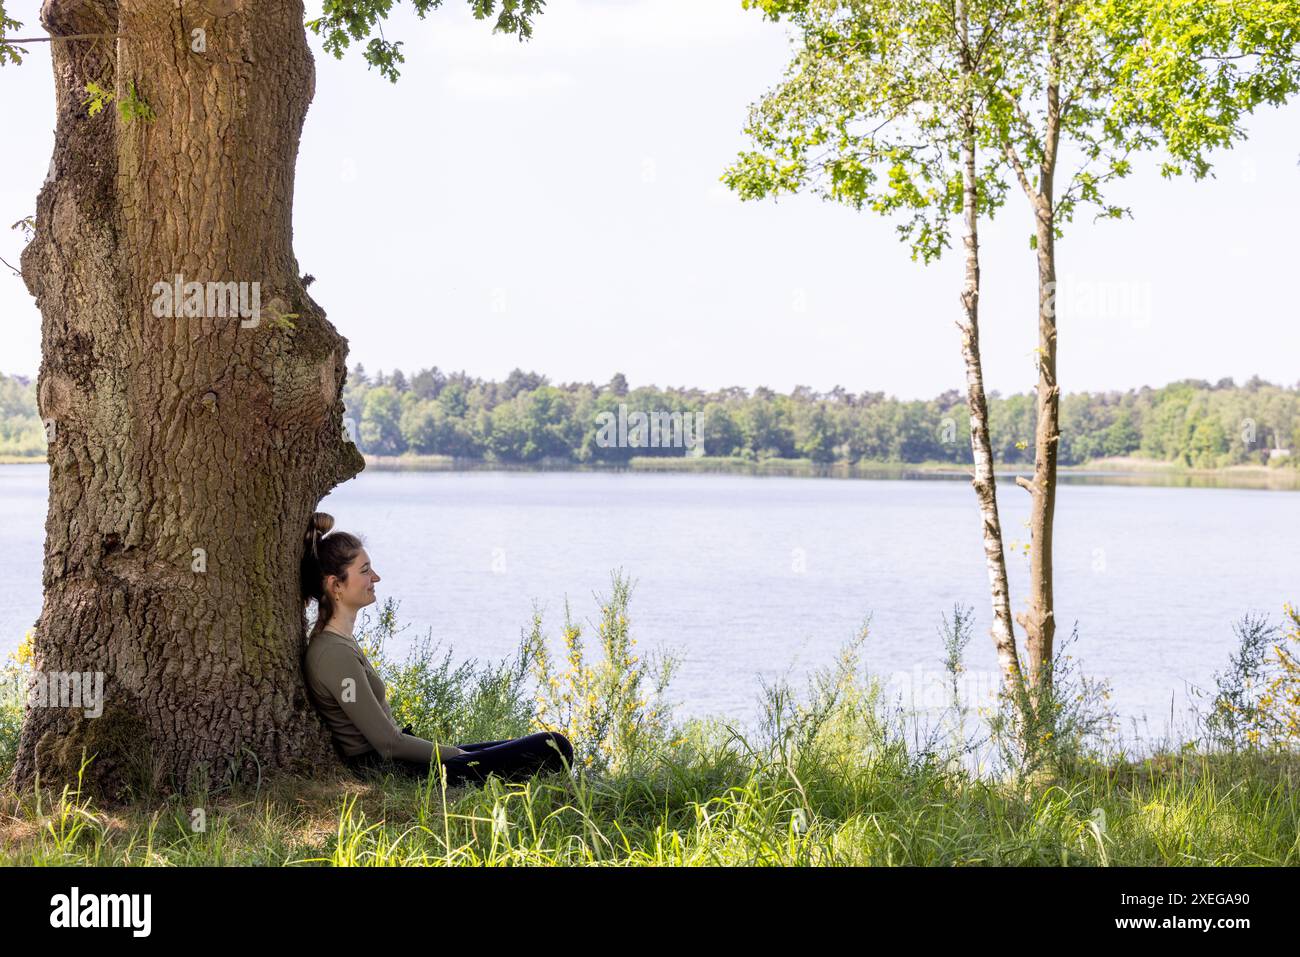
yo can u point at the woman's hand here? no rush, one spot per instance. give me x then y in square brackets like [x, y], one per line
[445, 751]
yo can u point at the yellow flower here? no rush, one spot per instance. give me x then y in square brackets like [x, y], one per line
[24, 654]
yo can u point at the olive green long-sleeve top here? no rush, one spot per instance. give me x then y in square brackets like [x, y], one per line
[350, 697]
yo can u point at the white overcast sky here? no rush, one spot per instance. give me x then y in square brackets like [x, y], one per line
[555, 205]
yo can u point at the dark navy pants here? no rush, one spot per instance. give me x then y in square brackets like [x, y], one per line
[512, 759]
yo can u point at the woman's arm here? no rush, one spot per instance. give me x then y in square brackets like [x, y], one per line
[343, 673]
[445, 751]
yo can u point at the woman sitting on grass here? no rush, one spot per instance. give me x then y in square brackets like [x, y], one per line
[349, 694]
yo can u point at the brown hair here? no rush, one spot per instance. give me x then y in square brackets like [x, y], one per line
[325, 553]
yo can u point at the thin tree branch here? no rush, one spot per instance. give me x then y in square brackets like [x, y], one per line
[1014, 158]
[69, 36]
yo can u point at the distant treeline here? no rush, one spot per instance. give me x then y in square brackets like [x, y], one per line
[526, 419]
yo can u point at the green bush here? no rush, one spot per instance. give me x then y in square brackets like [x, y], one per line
[13, 683]
[443, 703]
[614, 711]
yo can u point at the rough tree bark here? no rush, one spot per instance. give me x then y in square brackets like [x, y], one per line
[984, 480]
[177, 434]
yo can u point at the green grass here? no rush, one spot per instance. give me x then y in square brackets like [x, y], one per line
[715, 808]
[828, 777]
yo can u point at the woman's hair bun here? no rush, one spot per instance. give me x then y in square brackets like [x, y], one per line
[321, 522]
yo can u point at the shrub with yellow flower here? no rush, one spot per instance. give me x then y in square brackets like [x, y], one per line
[603, 708]
[1258, 700]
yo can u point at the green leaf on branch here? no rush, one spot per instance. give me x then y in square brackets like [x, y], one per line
[130, 107]
[97, 98]
[9, 53]
[343, 22]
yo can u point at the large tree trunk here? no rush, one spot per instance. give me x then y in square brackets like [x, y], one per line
[172, 435]
[984, 480]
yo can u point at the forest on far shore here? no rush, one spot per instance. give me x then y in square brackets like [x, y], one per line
[527, 419]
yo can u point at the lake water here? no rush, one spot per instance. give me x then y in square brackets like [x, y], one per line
[750, 578]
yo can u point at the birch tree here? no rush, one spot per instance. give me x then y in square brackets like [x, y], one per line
[885, 106]
[1085, 85]
[881, 109]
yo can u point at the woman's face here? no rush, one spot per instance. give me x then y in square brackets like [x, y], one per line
[358, 589]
